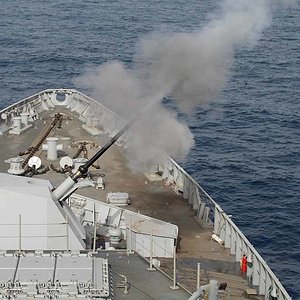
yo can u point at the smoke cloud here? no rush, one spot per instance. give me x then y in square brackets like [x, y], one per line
[192, 68]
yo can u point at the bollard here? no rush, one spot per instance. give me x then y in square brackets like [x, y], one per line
[52, 148]
[15, 165]
[213, 292]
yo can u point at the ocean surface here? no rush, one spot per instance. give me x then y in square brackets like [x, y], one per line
[247, 152]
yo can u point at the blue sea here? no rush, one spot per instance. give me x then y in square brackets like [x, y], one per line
[247, 152]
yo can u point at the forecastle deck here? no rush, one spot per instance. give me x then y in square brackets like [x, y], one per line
[163, 200]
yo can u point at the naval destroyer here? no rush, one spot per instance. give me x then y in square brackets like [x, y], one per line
[76, 222]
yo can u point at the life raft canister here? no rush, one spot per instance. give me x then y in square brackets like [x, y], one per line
[244, 264]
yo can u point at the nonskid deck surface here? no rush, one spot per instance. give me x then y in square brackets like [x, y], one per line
[154, 199]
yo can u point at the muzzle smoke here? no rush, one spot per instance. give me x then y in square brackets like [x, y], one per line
[192, 68]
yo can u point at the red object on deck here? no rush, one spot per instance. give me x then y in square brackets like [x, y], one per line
[244, 264]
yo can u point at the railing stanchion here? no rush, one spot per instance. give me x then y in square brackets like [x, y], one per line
[67, 233]
[151, 253]
[129, 237]
[174, 286]
[198, 275]
[20, 233]
[95, 228]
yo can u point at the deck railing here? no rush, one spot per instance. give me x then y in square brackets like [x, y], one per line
[209, 213]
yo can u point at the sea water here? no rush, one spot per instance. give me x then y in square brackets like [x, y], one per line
[247, 153]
